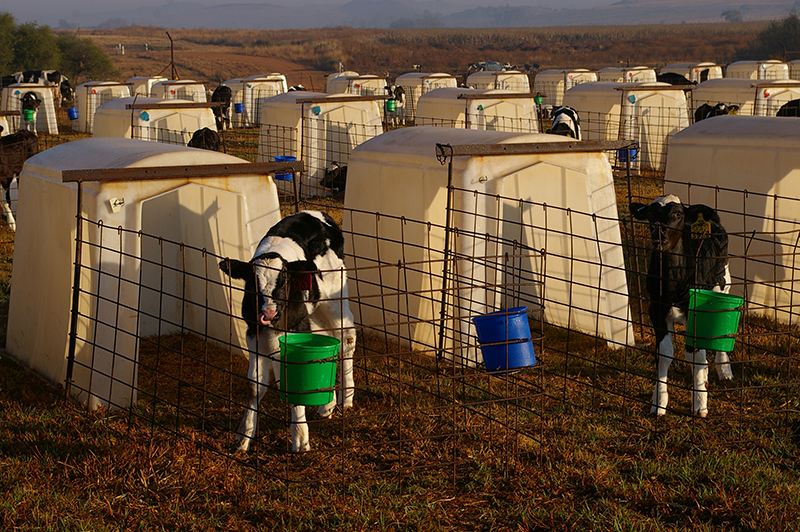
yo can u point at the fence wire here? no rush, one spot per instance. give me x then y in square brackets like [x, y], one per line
[160, 335]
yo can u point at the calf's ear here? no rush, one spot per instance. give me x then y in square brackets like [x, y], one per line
[236, 268]
[692, 213]
[639, 210]
[302, 275]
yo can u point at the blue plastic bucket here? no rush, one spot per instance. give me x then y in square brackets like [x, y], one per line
[308, 368]
[238, 108]
[72, 113]
[284, 176]
[505, 339]
[633, 152]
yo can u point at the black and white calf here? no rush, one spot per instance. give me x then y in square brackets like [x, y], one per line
[566, 122]
[709, 111]
[58, 83]
[205, 139]
[15, 149]
[30, 102]
[335, 177]
[295, 283]
[222, 113]
[690, 249]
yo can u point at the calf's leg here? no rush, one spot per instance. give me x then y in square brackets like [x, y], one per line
[299, 429]
[723, 364]
[660, 394]
[699, 380]
[258, 375]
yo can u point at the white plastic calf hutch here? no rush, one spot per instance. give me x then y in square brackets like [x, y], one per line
[319, 129]
[552, 84]
[649, 113]
[183, 89]
[143, 85]
[754, 97]
[169, 121]
[415, 84]
[637, 74]
[399, 176]
[770, 69]
[510, 80]
[358, 85]
[499, 110]
[125, 293]
[755, 163]
[794, 69]
[332, 86]
[45, 117]
[251, 93]
[89, 96]
[694, 72]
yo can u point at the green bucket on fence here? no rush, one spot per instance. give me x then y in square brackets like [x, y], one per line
[308, 368]
[391, 105]
[27, 115]
[713, 320]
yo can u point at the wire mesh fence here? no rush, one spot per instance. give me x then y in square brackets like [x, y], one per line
[246, 104]
[485, 121]
[163, 337]
[324, 144]
[177, 366]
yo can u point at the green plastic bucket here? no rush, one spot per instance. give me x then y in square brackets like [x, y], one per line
[27, 115]
[308, 368]
[713, 320]
[391, 105]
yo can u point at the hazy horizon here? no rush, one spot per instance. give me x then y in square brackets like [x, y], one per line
[305, 14]
[47, 12]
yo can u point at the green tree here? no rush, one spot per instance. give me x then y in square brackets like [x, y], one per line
[8, 31]
[733, 15]
[35, 48]
[779, 37]
[83, 60]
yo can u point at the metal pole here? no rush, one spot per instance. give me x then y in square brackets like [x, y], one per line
[444, 153]
[76, 281]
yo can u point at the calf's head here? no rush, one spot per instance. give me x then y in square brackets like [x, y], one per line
[277, 294]
[670, 220]
[666, 217]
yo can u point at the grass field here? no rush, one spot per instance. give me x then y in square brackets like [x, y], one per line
[601, 464]
[306, 56]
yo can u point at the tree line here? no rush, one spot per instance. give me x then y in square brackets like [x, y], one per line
[30, 46]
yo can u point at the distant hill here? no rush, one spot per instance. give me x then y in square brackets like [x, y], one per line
[410, 13]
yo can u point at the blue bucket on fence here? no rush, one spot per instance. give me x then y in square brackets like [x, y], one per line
[284, 176]
[238, 108]
[72, 113]
[505, 339]
[633, 152]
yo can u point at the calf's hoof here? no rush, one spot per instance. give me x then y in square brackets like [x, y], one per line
[302, 448]
[240, 445]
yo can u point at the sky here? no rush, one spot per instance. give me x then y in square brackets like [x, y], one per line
[49, 12]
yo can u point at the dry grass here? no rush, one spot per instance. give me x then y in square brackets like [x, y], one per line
[306, 56]
[587, 457]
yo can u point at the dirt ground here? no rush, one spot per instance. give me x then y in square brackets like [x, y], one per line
[214, 67]
[149, 55]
